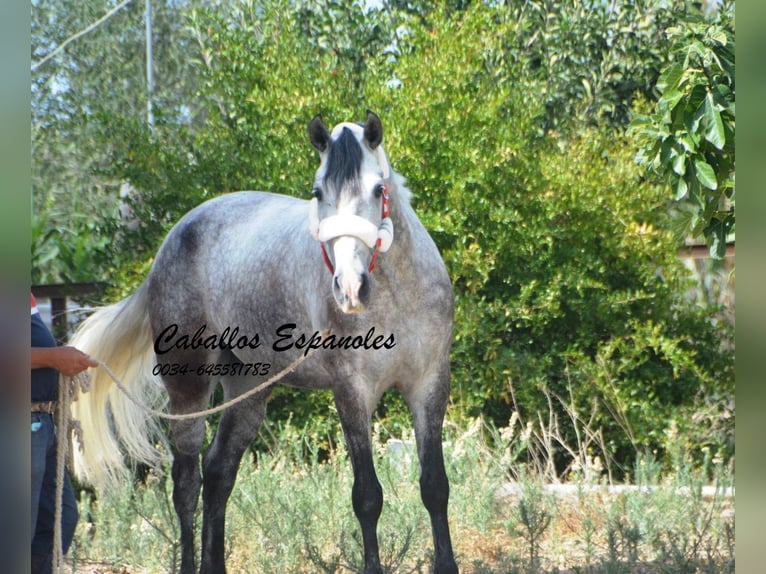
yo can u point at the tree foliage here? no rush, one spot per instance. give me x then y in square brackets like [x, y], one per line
[509, 123]
[565, 272]
[100, 75]
[688, 140]
[592, 58]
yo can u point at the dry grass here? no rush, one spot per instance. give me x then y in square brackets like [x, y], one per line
[291, 513]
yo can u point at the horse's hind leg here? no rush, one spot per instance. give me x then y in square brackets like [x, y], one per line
[428, 403]
[238, 426]
[186, 396]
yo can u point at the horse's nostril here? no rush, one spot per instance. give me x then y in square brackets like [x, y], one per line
[364, 288]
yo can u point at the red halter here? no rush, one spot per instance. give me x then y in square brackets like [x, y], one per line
[385, 212]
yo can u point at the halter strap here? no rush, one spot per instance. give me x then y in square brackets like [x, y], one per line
[377, 238]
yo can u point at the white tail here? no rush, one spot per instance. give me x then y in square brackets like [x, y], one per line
[113, 426]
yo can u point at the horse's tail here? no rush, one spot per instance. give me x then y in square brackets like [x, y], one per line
[113, 426]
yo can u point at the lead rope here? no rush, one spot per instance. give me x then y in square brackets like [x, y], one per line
[239, 398]
[65, 425]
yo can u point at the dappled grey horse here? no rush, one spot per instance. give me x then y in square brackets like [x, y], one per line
[243, 285]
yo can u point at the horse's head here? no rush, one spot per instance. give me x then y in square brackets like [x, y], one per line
[349, 212]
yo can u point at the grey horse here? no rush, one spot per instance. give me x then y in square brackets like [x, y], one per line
[245, 283]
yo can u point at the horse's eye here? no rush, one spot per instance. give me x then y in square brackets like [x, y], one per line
[317, 192]
[378, 191]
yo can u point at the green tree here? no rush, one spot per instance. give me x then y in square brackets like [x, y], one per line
[592, 58]
[588, 60]
[565, 272]
[688, 140]
[78, 84]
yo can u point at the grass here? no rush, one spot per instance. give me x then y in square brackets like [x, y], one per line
[290, 512]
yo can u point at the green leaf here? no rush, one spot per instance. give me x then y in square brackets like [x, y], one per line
[669, 100]
[696, 97]
[723, 97]
[718, 36]
[679, 161]
[694, 120]
[714, 132]
[696, 195]
[717, 232]
[718, 246]
[670, 78]
[705, 174]
[682, 188]
[688, 143]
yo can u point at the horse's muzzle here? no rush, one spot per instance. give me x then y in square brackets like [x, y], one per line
[351, 291]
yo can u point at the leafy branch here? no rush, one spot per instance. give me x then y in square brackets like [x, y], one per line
[688, 140]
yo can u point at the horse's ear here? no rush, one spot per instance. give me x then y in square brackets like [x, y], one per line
[318, 134]
[373, 130]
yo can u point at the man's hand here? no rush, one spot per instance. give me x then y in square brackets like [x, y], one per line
[68, 361]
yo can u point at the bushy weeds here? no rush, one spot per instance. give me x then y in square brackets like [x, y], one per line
[291, 510]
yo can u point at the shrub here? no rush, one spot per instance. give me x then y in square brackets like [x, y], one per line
[564, 269]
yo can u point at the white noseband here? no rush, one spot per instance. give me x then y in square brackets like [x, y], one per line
[350, 225]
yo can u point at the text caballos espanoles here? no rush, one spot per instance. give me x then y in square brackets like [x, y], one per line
[285, 339]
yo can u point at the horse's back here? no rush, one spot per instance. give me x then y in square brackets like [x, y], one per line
[220, 228]
[218, 245]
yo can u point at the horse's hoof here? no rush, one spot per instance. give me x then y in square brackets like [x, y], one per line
[450, 568]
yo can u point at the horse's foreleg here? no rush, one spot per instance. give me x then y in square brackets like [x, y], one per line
[429, 404]
[366, 494]
[238, 426]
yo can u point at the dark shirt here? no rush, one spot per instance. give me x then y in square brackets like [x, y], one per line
[45, 381]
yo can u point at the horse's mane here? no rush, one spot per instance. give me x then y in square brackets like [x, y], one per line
[399, 182]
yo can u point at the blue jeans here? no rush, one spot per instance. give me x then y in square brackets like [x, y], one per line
[43, 495]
